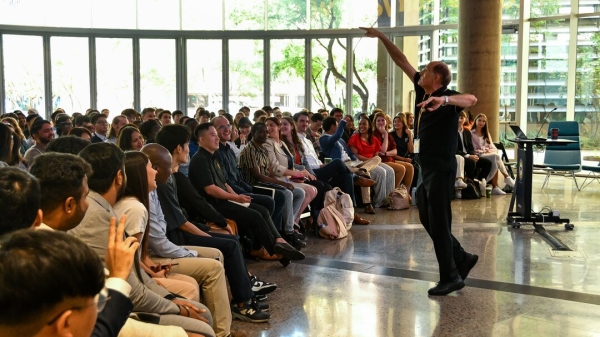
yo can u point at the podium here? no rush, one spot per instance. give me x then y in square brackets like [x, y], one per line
[522, 194]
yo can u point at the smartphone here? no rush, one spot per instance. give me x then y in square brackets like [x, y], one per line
[169, 265]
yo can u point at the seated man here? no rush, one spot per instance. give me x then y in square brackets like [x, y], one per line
[252, 219]
[475, 167]
[105, 183]
[63, 190]
[20, 197]
[334, 173]
[67, 144]
[165, 213]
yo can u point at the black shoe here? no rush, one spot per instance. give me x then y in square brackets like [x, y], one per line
[260, 305]
[293, 240]
[284, 262]
[261, 287]
[444, 288]
[261, 297]
[288, 252]
[465, 267]
[249, 312]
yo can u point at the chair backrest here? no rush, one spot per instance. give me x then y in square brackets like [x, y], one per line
[564, 155]
[502, 150]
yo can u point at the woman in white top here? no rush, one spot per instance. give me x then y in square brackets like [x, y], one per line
[141, 180]
[485, 148]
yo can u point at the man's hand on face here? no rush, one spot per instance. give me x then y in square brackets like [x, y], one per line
[120, 254]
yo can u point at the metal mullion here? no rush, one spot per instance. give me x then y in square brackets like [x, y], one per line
[47, 75]
[137, 97]
[267, 71]
[349, 75]
[225, 70]
[93, 73]
[181, 73]
[572, 61]
[2, 91]
[307, 73]
[522, 64]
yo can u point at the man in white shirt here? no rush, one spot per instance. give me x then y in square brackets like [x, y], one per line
[335, 173]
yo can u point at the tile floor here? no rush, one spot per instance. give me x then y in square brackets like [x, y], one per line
[375, 281]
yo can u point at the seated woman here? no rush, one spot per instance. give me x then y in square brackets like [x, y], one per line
[365, 147]
[403, 138]
[149, 129]
[485, 148]
[282, 164]
[256, 168]
[134, 204]
[290, 140]
[82, 133]
[130, 138]
[243, 127]
[403, 171]
[349, 129]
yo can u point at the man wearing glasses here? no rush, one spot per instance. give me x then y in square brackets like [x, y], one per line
[101, 128]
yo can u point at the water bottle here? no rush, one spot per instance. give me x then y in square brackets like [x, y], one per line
[413, 194]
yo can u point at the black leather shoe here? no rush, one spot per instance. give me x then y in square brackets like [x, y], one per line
[465, 267]
[444, 288]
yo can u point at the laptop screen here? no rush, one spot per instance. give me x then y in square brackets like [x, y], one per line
[518, 132]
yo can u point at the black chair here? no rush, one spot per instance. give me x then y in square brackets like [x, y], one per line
[509, 164]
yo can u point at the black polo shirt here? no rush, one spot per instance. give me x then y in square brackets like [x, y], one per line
[229, 166]
[205, 170]
[436, 130]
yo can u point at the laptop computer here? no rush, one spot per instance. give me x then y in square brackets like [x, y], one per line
[520, 134]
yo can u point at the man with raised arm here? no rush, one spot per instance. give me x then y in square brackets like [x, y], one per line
[436, 121]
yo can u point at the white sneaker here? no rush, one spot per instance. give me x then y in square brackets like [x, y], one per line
[460, 184]
[458, 194]
[509, 181]
[498, 191]
[482, 185]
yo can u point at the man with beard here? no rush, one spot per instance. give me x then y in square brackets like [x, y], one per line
[42, 133]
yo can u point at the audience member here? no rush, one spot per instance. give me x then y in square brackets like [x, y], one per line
[100, 128]
[130, 139]
[82, 133]
[67, 144]
[42, 133]
[117, 124]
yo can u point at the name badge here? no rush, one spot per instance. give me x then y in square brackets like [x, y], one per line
[417, 145]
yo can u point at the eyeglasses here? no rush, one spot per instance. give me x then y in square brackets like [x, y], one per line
[99, 301]
[102, 123]
[224, 126]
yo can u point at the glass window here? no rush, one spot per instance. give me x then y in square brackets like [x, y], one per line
[245, 15]
[114, 64]
[448, 11]
[448, 52]
[285, 14]
[70, 73]
[69, 13]
[404, 99]
[24, 73]
[426, 12]
[511, 9]
[202, 15]
[548, 66]
[542, 8]
[343, 14]
[246, 76]
[157, 72]
[328, 74]
[205, 75]
[508, 79]
[587, 82]
[589, 6]
[364, 93]
[105, 15]
[158, 14]
[24, 13]
[287, 75]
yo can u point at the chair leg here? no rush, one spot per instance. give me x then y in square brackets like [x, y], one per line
[592, 176]
[547, 179]
[575, 180]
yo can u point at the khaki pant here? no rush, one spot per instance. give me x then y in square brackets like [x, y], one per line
[133, 328]
[367, 165]
[210, 275]
[181, 285]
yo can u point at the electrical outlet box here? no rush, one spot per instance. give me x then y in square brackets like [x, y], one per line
[556, 213]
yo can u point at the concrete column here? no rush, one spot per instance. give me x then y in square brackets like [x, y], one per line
[479, 39]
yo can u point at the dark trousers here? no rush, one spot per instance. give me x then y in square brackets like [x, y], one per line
[273, 205]
[434, 196]
[477, 170]
[253, 221]
[337, 174]
[235, 268]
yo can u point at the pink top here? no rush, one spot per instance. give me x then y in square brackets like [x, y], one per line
[481, 145]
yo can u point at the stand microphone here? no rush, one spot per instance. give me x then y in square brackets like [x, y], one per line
[543, 123]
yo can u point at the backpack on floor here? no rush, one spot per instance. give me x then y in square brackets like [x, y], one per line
[331, 223]
[343, 203]
[472, 191]
[399, 198]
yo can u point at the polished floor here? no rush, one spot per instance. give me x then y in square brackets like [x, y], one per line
[375, 281]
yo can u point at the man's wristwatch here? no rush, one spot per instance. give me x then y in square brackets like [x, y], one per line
[446, 100]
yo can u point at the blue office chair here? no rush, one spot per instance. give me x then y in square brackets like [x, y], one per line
[593, 175]
[563, 159]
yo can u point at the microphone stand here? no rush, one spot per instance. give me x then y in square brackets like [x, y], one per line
[543, 123]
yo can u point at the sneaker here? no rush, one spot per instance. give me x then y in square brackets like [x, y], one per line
[249, 312]
[261, 297]
[260, 305]
[261, 287]
[460, 184]
[498, 191]
[458, 195]
[509, 181]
